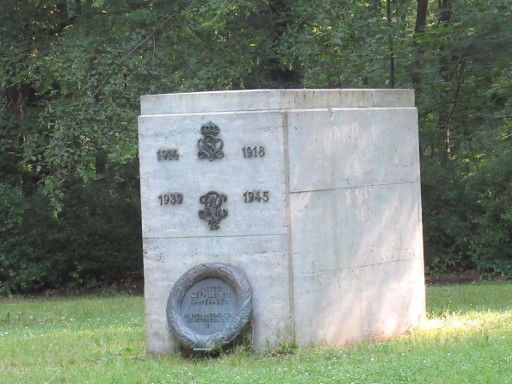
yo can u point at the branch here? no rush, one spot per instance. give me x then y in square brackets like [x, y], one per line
[160, 24]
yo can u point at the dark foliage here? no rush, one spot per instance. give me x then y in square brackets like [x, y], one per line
[72, 71]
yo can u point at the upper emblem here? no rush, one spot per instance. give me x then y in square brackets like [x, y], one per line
[210, 145]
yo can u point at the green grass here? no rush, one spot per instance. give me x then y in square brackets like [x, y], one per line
[467, 339]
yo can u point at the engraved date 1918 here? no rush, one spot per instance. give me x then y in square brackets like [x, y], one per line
[256, 196]
[170, 198]
[256, 151]
[167, 154]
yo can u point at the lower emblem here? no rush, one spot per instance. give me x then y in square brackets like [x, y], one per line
[213, 212]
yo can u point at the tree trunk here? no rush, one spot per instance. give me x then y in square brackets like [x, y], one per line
[421, 16]
[280, 77]
[421, 21]
[391, 46]
[446, 73]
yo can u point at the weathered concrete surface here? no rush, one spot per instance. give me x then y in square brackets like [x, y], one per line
[262, 258]
[352, 147]
[274, 99]
[231, 175]
[335, 256]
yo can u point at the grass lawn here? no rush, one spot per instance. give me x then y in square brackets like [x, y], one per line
[467, 339]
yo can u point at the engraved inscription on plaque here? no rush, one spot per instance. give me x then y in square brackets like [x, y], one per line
[208, 306]
[253, 152]
[170, 198]
[210, 145]
[256, 196]
[167, 154]
[213, 212]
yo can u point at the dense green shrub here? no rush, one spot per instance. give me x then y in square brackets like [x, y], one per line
[93, 240]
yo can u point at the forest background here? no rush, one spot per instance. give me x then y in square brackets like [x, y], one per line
[72, 71]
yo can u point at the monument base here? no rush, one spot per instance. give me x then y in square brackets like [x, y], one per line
[313, 194]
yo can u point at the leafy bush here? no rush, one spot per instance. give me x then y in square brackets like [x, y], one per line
[94, 240]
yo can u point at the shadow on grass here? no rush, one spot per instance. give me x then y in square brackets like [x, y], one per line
[468, 298]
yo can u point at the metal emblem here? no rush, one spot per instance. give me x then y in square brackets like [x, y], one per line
[210, 145]
[226, 322]
[213, 212]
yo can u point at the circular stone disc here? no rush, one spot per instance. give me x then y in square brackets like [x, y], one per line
[209, 306]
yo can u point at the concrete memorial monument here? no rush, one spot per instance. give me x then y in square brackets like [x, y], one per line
[298, 211]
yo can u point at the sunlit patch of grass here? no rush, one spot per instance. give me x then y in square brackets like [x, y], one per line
[466, 339]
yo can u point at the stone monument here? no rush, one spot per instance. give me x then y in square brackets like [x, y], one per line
[312, 195]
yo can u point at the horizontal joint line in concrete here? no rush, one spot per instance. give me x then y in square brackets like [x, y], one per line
[211, 237]
[285, 90]
[277, 110]
[354, 187]
[351, 268]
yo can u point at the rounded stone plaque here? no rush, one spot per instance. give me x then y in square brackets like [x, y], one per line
[209, 306]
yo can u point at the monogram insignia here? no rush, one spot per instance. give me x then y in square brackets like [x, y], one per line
[213, 212]
[210, 145]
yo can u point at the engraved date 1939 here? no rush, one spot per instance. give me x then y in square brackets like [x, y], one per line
[170, 198]
[256, 196]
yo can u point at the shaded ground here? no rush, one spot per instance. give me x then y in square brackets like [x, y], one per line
[457, 277]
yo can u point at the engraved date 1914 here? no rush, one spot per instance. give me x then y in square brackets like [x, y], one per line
[256, 196]
[253, 152]
[170, 198]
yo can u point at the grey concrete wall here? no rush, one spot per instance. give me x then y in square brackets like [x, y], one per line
[335, 256]
[356, 232]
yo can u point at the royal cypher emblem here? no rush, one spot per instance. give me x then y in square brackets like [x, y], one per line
[210, 145]
[213, 212]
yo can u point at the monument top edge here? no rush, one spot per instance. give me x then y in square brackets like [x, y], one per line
[274, 99]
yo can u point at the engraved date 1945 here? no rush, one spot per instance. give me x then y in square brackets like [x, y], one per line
[170, 198]
[256, 196]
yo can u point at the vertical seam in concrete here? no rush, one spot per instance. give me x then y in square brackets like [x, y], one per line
[420, 214]
[147, 325]
[286, 159]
